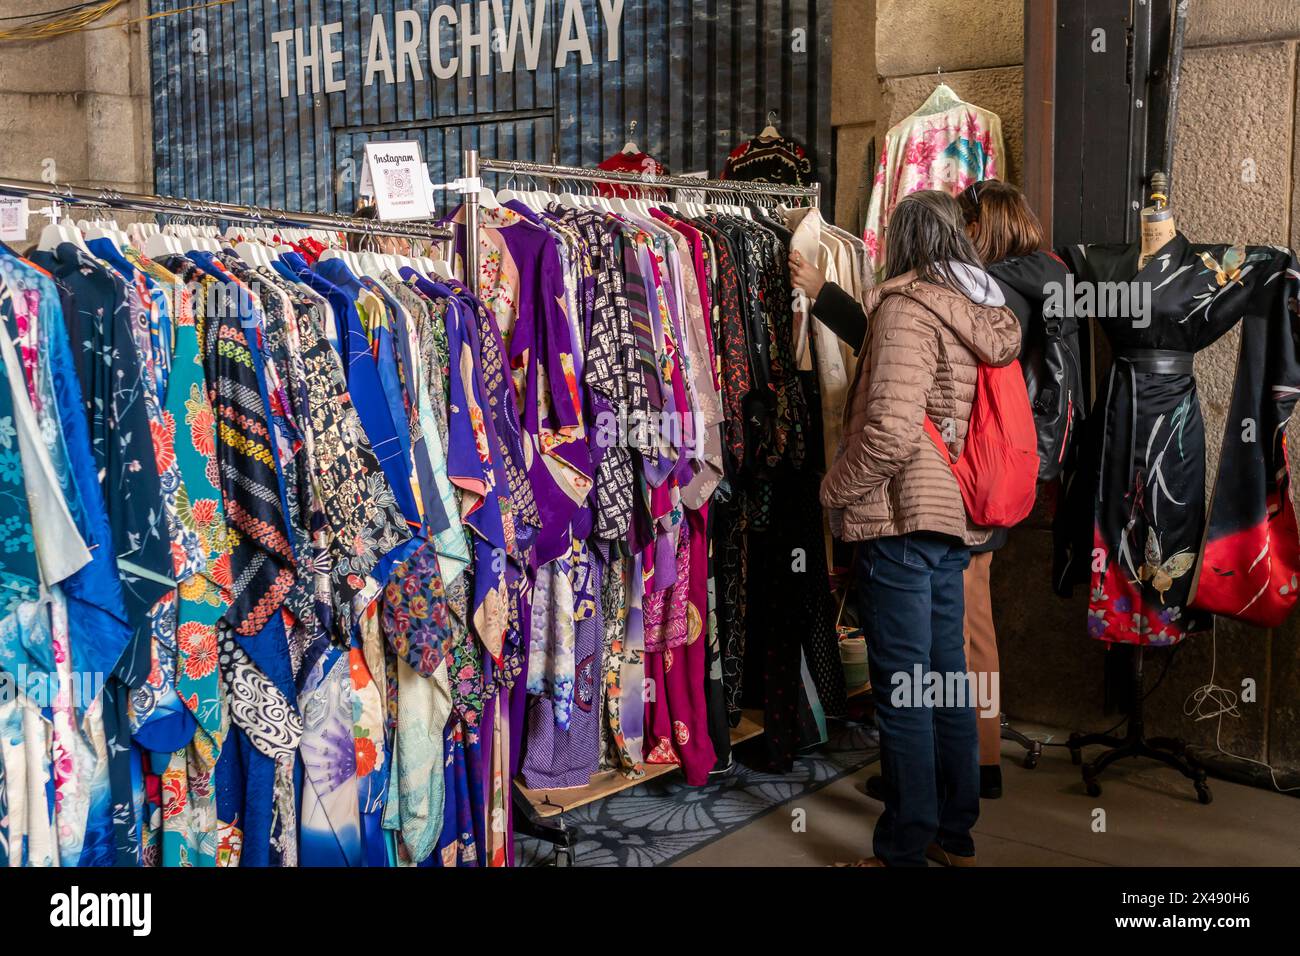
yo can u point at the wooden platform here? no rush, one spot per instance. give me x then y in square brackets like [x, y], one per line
[553, 802]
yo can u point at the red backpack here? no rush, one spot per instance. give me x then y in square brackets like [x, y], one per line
[997, 471]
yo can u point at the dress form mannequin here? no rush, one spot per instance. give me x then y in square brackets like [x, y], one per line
[1158, 226]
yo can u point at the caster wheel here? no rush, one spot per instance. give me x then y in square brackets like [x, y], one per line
[1093, 788]
[1031, 761]
[1203, 794]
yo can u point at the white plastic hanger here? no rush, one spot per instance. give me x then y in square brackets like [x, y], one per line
[599, 200]
[940, 101]
[630, 148]
[181, 236]
[254, 253]
[372, 264]
[139, 232]
[345, 256]
[108, 231]
[510, 194]
[184, 238]
[59, 232]
[206, 236]
[162, 244]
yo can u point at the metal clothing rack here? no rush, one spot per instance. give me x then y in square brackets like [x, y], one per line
[58, 193]
[547, 822]
[475, 165]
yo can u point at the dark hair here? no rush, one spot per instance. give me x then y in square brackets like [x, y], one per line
[1007, 227]
[925, 234]
[356, 239]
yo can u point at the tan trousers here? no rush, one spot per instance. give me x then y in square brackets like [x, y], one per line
[982, 653]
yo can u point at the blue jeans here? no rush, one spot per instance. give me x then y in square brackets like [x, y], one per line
[912, 602]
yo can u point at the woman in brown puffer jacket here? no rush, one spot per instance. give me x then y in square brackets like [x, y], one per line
[932, 322]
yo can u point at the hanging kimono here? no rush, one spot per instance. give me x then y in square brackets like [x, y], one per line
[189, 812]
[779, 161]
[1145, 461]
[946, 144]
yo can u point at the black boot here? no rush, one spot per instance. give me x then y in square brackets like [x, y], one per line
[991, 783]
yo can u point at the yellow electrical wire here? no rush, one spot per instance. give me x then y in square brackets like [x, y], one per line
[61, 25]
[84, 21]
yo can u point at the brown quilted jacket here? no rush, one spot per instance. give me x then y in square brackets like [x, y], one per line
[921, 355]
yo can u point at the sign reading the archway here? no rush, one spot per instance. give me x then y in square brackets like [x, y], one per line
[461, 39]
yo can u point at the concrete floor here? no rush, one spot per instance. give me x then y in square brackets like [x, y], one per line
[1152, 818]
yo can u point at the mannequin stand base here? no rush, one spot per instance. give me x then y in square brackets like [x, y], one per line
[1167, 750]
[1170, 751]
[1033, 748]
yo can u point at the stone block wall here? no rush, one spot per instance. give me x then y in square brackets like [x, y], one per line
[76, 108]
[886, 55]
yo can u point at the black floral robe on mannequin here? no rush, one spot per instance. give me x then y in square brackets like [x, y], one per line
[1143, 468]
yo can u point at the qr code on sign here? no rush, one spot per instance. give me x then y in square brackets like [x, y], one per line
[399, 183]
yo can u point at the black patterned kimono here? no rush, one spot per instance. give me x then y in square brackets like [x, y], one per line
[1144, 463]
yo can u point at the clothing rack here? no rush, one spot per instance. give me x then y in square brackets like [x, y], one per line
[474, 166]
[56, 193]
[541, 813]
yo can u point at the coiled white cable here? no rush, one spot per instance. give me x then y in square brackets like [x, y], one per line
[1221, 701]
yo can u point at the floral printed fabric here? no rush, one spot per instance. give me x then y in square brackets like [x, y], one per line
[384, 616]
[562, 597]
[359, 522]
[189, 812]
[521, 285]
[417, 623]
[19, 574]
[947, 145]
[113, 381]
[1155, 571]
[622, 673]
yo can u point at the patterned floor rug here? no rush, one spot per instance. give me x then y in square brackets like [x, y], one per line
[661, 821]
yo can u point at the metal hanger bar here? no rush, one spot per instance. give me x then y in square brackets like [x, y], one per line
[649, 181]
[167, 205]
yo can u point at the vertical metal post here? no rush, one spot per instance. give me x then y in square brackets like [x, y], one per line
[470, 174]
[1040, 109]
[1139, 108]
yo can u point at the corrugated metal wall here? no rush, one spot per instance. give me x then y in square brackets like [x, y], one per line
[698, 76]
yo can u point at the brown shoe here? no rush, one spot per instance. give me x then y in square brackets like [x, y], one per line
[870, 861]
[944, 858]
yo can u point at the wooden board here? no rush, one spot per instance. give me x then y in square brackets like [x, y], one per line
[553, 802]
